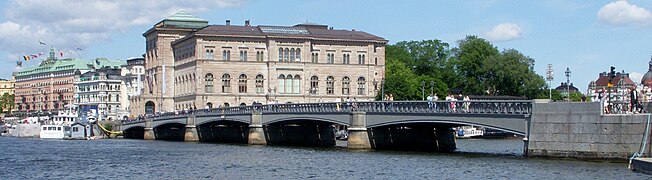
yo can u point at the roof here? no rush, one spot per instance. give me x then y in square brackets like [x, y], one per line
[603, 80]
[68, 64]
[184, 16]
[297, 31]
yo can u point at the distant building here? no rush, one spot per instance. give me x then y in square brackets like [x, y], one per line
[98, 91]
[565, 88]
[621, 85]
[7, 86]
[190, 64]
[133, 74]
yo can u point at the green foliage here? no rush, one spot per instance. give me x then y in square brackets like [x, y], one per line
[476, 67]
[6, 102]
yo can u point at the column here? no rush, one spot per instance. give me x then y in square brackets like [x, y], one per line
[149, 130]
[191, 134]
[358, 135]
[445, 138]
[256, 131]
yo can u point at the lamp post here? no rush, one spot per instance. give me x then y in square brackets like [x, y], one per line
[382, 88]
[432, 86]
[423, 86]
[550, 77]
[568, 73]
[375, 87]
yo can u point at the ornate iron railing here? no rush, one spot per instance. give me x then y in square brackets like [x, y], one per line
[443, 107]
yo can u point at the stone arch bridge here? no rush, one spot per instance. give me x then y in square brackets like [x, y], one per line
[377, 125]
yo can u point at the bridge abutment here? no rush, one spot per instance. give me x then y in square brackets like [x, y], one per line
[190, 134]
[256, 131]
[358, 135]
[149, 130]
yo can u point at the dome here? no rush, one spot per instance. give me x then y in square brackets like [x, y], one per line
[647, 78]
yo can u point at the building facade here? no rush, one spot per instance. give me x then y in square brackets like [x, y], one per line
[49, 87]
[619, 91]
[7, 86]
[190, 64]
[133, 74]
[99, 91]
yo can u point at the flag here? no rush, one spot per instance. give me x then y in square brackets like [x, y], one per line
[41, 42]
[26, 58]
[33, 56]
[60, 53]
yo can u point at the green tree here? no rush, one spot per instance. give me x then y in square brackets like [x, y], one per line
[6, 102]
[512, 74]
[471, 59]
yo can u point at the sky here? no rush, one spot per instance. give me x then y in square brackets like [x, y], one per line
[585, 36]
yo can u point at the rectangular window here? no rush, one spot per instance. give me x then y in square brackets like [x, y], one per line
[243, 56]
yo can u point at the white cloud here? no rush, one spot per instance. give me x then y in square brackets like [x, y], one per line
[503, 32]
[80, 23]
[636, 76]
[621, 13]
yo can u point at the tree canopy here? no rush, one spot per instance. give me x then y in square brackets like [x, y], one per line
[476, 67]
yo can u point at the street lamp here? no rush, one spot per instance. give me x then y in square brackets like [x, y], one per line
[423, 86]
[568, 73]
[432, 86]
[382, 88]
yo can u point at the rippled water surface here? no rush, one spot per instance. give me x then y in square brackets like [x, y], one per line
[139, 159]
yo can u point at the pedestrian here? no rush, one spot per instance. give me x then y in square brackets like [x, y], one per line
[434, 101]
[338, 100]
[348, 103]
[391, 104]
[429, 99]
[633, 97]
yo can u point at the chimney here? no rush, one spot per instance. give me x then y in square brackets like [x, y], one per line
[247, 22]
[228, 22]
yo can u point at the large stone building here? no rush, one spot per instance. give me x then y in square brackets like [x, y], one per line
[99, 91]
[49, 87]
[133, 74]
[7, 86]
[190, 64]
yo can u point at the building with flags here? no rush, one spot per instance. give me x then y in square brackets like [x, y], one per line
[190, 64]
[48, 87]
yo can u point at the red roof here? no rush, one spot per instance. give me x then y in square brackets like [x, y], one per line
[604, 80]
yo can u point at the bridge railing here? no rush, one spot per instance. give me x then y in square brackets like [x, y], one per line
[445, 107]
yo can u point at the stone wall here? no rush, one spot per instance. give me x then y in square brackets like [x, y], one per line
[580, 130]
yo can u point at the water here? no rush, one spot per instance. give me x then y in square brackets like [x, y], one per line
[139, 159]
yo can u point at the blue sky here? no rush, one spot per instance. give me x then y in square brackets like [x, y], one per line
[585, 36]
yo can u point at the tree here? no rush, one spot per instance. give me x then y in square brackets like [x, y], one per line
[471, 58]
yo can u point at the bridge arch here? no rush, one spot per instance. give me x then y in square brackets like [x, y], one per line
[514, 124]
[338, 121]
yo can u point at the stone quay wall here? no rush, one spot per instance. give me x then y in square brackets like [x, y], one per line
[582, 131]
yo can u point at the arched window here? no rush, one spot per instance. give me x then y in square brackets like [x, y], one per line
[209, 54]
[259, 84]
[295, 84]
[298, 54]
[330, 83]
[226, 83]
[209, 105]
[288, 84]
[281, 84]
[209, 83]
[346, 82]
[361, 86]
[292, 55]
[280, 54]
[242, 83]
[314, 85]
[286, 54]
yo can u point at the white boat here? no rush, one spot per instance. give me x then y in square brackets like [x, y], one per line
[468, 132]
[52, 132]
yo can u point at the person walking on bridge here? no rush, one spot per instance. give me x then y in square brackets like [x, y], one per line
[429, 99]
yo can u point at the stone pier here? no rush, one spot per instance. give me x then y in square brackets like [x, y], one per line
[358, 135]
[191, 134]
[149, 130]
[256, 132]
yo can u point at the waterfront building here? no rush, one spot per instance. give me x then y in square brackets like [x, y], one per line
[98, 91]
[133, 74]
[621, 85]
[7, 86]
[49, 86]
[190, 64]
[565, 89]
